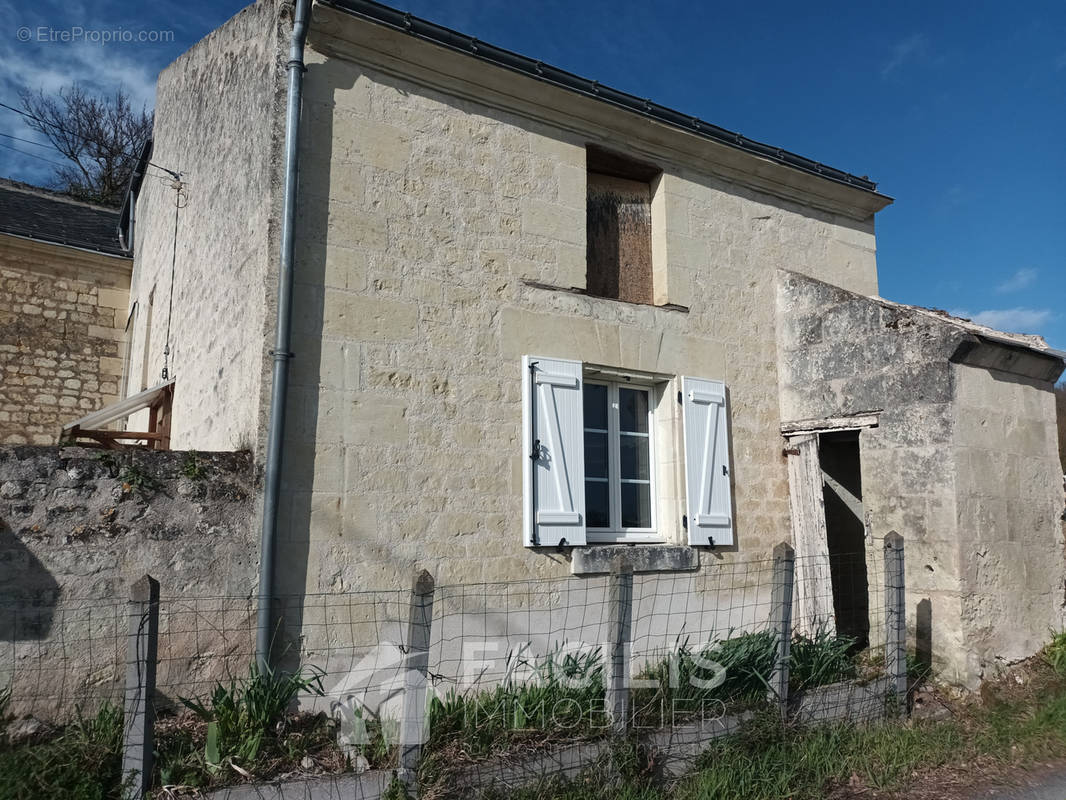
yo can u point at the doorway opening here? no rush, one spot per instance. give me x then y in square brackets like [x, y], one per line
[845, 532]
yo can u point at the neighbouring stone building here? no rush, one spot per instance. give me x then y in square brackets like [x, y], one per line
[508, 277]
[64, 296]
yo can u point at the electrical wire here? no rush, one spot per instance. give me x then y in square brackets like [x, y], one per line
[30, 141]
[178, 205]
[166, 179]
[34, 155]
[84, 138]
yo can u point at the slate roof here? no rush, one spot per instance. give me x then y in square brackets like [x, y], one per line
[47, 216]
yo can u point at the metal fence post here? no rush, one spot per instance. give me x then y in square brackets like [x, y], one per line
[416, 676]
[781, 622]
[620, 636]
[142, 649]
[895, 618]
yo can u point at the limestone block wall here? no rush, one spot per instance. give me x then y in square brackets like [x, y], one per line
[217, 121]
[428, 224]
[62, 331]
[1009, 515]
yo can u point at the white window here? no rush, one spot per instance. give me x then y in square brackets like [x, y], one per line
[619, 464]
[593, 450]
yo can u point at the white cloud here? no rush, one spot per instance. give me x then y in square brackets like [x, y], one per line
[904, 51]
[1022, 279]
[1014, 320]
[48, 66]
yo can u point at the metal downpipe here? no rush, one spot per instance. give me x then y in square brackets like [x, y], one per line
[280, 382]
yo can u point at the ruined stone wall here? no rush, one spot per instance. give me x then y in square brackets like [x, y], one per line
[217, 121]
[962, 464]
[79, 526]
[1009, 483]
[62, 330]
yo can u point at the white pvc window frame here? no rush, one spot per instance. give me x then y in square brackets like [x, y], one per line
[616, 534]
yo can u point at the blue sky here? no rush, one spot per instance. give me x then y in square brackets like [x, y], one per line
[958, 110]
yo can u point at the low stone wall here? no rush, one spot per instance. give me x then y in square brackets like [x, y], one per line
[79, 526]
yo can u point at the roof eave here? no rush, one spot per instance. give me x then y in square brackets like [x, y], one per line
[471, 47]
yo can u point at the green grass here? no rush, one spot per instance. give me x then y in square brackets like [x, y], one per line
[767, 760]
[82, 762]
[820, 659]
[565, 699]
[566, 693]
[1055, 652]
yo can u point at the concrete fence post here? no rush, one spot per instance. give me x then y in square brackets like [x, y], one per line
[142, 645]
[895, 618]
[781, 622]
[620, 637]
[416, 676]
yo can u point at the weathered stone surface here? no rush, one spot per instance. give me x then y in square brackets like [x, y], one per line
[26, 729]
[963, 462]
[650, 558]
[842, 701]
[87, 525]
[366, 786]
[218, 120]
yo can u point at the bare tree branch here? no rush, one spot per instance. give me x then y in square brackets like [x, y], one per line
[99, 135]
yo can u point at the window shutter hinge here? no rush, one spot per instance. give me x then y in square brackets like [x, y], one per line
[680, 402]
[684, 521]
[725, 469]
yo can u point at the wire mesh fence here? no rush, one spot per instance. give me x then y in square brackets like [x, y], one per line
[474, 685]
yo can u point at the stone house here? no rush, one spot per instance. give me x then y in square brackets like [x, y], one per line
[64, 295]
[537, 319]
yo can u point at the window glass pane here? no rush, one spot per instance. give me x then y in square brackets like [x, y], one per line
[596, 455]
[633, 410]
[597, 506]
[595, 397]
[635, 457]
[636, 505]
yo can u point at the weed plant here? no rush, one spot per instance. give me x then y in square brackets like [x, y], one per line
[82, 762]
[246, 728]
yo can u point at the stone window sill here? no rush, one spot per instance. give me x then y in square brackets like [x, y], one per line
[596, 559]
[584, 293]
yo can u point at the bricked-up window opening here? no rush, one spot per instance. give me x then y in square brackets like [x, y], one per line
[619, 229]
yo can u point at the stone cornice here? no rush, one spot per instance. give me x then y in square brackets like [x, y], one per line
[335, 33]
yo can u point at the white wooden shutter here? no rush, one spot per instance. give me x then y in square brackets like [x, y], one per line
[709, 502]
[554, 452]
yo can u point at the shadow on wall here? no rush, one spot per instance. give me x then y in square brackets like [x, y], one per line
[303, 455]
[28, 592]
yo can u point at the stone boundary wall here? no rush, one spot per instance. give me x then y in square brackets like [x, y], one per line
[78, 526]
